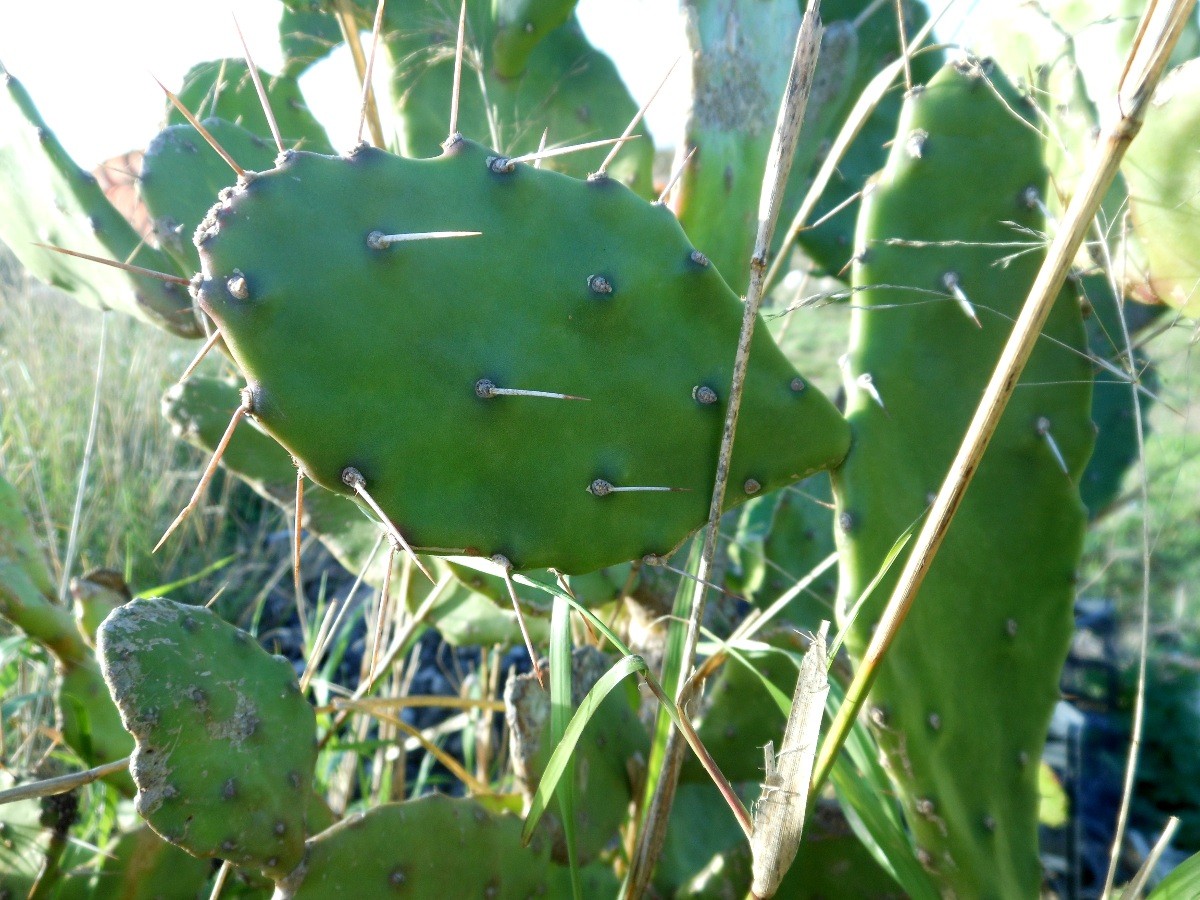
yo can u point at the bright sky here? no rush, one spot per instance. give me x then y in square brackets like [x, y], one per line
[88, 65]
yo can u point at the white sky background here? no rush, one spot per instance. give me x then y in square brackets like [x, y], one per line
[88, 64]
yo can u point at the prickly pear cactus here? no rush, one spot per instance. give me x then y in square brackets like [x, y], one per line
[964, 697]
[224, 89]
[584, 296]
[94, 595]
[226, 744]
[861, 37]
[592, 590]
[739, 717]
[181, 174]
[1112, 399]
[455, 847]
[520, 25]
[199, 411]
[740, 61]
[567, 88]
[48, 199]
[139, 865]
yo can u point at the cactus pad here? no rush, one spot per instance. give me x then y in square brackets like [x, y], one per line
[425, 849]
[224, 89]
[181, 174]
[520, 25]
[567, 88]
[376, 359]
[963, 699]
[225, 742]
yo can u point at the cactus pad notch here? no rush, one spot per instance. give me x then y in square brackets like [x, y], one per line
[226, 744]
[374, 359]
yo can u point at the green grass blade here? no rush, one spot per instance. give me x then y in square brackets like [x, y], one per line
[867, 796]
[560, 717]
[1182, 884]
[561, 757]
[884, 568]
[163, 590]
[672, 677]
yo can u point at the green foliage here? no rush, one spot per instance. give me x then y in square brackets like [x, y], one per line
[88, 719]
[48, 199]
[1182, 884]
[609, 758]
[1168, 779]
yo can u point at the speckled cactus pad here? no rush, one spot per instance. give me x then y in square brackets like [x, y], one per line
[226, 744]
[432, 848]
[374, 358]
[964, 697]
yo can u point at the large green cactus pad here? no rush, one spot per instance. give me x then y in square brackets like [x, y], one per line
[426, 849]
[48, 199]
[226, 744]
[376, 359]
[964, 696]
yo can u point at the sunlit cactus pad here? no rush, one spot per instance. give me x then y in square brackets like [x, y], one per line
[386, 360]
[964, 697]
[226, 744]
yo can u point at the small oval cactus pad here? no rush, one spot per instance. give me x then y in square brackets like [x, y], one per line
[394, 361]
[226, 743]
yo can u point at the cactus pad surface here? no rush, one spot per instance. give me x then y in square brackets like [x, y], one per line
[426, 849]
[964, 696]
[226, 744]
[374, 358]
